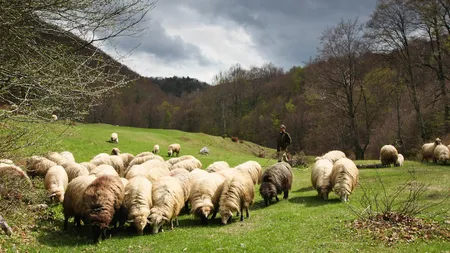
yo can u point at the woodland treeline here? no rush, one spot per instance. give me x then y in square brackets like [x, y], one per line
[375, 83]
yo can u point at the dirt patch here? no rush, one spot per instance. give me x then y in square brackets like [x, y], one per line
[392, 227]
[185, 139]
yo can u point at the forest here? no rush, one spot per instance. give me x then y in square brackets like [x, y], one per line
[381, 82]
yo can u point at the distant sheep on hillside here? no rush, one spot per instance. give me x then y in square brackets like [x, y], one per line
[114, 138]
[173, 148]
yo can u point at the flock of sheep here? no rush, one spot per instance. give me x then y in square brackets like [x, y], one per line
[144, 189]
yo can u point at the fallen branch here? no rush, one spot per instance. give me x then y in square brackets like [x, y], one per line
[4, 226]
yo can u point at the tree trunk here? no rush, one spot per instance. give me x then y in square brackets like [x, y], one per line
[4, 226]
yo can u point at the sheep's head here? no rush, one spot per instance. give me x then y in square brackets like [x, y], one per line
[437, 141]
[226, 216]
[57, 196]
[268, 191]
[324, 191]
[343, 194]
[140, 222]
[169, 152]
[156, 221]
[99, 229]
[115, 151]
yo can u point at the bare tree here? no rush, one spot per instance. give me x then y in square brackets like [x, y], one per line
[47, 63]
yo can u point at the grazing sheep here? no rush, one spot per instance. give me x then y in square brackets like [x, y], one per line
[115, 151]
[126, 158]
[38, 166]
[441, 154]
[102, 199]
[68, 156]
[204, 151]
[152, 173]
[73, 205]
[6, 161]
[217, 166]
[138, 201]
[75, 170]
[253, 169]
[56, 182]
[145, 153]
[173, 148]
[168, 200]
[142, 159]
[124, 181]
[237, 195]
[205, 194]
[13, 172]
[188, 165]
[344, 178]
[101, 155]
[333, 156]
[275, 180]
[104, 169]
[197, 173]
[388, 155]
[54, 117]
[56, 157]
[115, 161]
[89, 166]
[155, 149]
[174, 160]
[114, 138]
[185, 178]
[320, 177]
[400, 160]
[428, 149]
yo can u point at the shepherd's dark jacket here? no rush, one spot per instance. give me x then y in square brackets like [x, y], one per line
[284, 139]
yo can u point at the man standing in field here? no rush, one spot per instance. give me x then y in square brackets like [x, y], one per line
[284, 139]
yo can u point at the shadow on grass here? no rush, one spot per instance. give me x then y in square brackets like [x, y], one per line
[52, 234]
[304, 189]
[191, 221]
[311, 201]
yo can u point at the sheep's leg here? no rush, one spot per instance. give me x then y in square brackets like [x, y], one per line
[177, 223]
[276, 197]
[77, 221]
[66, 221]
[286, 194]
[247, 213]
[171, 224]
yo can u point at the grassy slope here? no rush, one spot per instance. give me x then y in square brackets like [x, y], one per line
[303, 223]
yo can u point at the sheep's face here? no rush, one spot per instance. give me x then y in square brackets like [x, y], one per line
[268, 192]
[140, 223]
[226, 216]
[169, 152]
[324, 192]
[344, 195]
[156, 221]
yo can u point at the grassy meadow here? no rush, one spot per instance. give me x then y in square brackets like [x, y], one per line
[303, 223]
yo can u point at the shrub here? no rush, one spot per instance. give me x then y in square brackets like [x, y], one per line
[234, 139]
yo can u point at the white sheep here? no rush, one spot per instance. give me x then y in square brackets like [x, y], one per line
[333, 156]
[441, 153]
[185, 178]
[137, 202]
[344, 178]
[237, 195]
[68, 156]
[99, 156]
[189, 164]
[155, 149]
[114, 138]
[38, 166]
[174, 160]
[320, 177]
[88, 165]
[75, 170]
[115, 161]
[12, 172]
[428, 149]
[73, 205]
[115, 151]
[173, 149]
[388, 155]
[400, 160]
[56, 157]
[168, 200]
[152, 170]
[217, 166]
[142, 159]
[253, 168]
[54, 117]
[126, 158]
[205, 194]
[56, 182]
[204, 151]
[104, 169]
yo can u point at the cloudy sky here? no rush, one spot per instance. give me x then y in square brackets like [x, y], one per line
[199, 38]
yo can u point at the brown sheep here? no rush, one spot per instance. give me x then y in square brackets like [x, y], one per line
[102, 199]
[275, 180]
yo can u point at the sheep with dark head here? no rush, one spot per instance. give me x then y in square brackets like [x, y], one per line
[102, 199]
[173, 149]
[275, 180]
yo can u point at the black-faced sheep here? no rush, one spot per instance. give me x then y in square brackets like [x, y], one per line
[155, 149]
[333, 156]
[276, 180]
[441, 154]
[168, 200]
[173, 149]
[428, 149]
[253, 168]
[217, 166]
[114, 138]
[138, 201]
[102, 199]
[320, 177]
[38, 166]
[205, 194]
[344, 178]
[73, 205]
[237, 195]
[400, 160]
[56, 182]
[388, 155]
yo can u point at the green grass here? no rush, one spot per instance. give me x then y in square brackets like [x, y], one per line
[303, 223]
